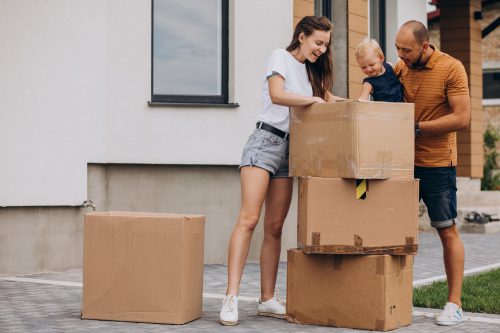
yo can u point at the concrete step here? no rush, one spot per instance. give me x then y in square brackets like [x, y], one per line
[424, 221]
[478, 198]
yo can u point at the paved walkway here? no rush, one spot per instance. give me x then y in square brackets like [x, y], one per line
[43, 303]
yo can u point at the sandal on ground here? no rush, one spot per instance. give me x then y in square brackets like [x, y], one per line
[475, 217]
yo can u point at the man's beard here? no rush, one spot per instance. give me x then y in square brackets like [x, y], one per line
[418, 63]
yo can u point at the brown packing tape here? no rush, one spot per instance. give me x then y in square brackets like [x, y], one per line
[316, 238]
[379, 325]
[410, 240]
[358, 241]
[380, 269]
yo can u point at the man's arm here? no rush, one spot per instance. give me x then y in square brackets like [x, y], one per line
[458, 119]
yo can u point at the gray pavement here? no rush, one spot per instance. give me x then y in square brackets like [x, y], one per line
[35, 307]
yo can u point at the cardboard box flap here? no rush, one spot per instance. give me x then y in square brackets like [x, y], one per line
[146, 215]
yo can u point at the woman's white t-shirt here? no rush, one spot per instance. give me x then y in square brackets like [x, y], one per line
[296, 81]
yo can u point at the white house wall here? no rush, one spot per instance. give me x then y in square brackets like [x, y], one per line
[397, 13]
[53, 60]
[75, 84]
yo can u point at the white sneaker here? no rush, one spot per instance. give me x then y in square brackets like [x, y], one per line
[452, 314]
[272, 308]
[229, 312]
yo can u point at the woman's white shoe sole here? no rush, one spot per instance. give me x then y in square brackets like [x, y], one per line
[228, 323]
[270, 314]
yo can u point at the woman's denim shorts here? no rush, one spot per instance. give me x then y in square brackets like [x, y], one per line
[267, 151]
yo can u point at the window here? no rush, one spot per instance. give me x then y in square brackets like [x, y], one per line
[377, 22]
[491, 84]
[323, 8]
[189, 55]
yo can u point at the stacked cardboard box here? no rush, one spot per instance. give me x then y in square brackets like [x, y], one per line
[353, 267]
[143, 267]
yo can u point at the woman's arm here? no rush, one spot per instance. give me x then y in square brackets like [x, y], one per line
[281, 97]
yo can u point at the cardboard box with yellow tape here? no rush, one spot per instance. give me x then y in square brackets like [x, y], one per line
[334, 218]
[352, 139]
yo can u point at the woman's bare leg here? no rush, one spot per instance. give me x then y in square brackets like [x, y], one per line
[278, 198]
[254, 184]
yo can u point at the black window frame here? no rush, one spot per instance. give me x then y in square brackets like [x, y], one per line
[379, 7]
[199, 99]
[323, 8]
[490, 75]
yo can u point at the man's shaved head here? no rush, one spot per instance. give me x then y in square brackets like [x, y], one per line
[412, 44]
[419, 31]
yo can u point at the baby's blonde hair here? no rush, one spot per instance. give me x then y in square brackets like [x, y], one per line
[368, 45]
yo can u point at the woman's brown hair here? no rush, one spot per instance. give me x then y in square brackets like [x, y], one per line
[320, 72]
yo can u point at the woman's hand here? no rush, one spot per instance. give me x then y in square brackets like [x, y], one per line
[318, 100]
[330, 98]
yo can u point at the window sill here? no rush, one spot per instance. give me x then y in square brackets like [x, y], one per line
[195, 105]
[491, 102]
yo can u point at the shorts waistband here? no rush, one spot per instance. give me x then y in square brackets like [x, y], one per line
[272, 129]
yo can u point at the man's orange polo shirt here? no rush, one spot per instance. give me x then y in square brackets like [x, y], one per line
[429, 88]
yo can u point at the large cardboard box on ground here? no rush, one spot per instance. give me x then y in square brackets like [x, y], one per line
[351, 139]
[369, 292]
[332, 220]
[143, 267]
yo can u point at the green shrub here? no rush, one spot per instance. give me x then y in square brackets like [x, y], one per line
[490, 181]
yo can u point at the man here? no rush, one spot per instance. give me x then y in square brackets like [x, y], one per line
[437, 84]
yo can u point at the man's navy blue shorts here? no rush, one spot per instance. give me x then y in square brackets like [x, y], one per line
[438, 190]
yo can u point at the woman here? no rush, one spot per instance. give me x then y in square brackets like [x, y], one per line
[298, 76]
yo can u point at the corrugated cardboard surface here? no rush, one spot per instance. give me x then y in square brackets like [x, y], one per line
[329, 213]
[143, 267]
[367, 292]
[351, 139]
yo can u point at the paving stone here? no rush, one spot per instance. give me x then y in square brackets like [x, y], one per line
[31, 307]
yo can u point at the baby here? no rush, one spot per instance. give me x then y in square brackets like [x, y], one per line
[381, 82]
